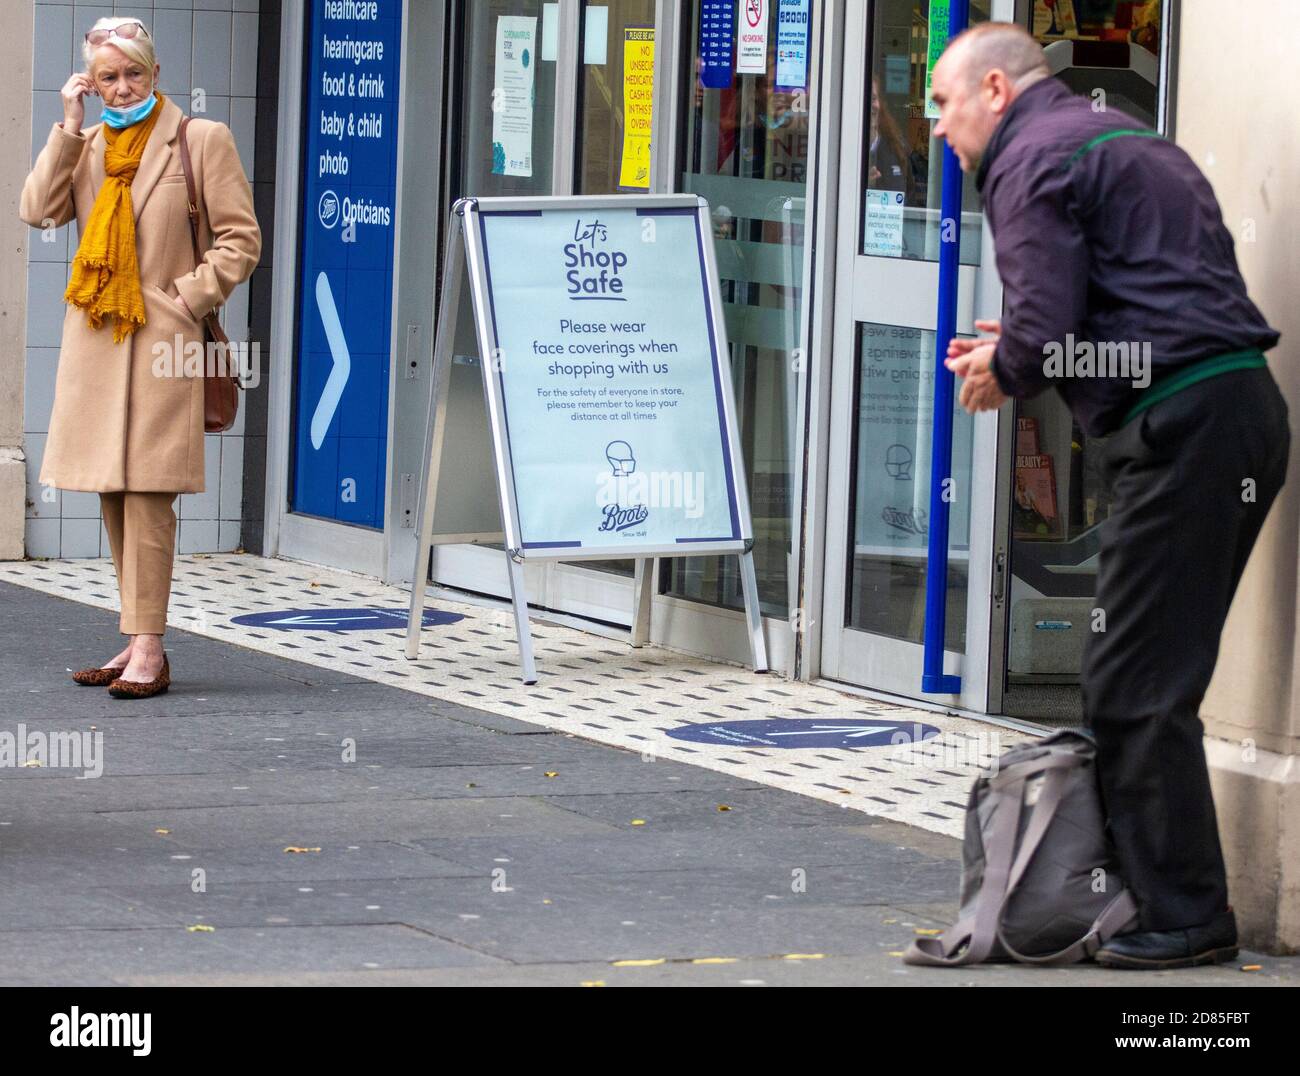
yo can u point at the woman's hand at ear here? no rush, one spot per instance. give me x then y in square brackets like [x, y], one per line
[74, 107]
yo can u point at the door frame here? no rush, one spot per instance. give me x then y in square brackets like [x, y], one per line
[1166, 112]
[876, 656]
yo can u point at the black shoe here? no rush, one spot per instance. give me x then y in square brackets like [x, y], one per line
[1207, 943]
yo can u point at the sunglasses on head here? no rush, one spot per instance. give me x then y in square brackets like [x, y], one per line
[122, 29]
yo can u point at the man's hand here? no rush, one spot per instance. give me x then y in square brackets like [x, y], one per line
[971, 360]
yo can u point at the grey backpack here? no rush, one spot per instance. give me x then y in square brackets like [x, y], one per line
[1039, 880]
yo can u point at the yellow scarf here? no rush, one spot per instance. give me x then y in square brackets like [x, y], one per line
[105, 273]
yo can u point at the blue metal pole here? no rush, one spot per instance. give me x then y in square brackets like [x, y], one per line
[933, 680]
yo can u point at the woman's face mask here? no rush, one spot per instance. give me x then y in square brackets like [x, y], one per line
[124, 117]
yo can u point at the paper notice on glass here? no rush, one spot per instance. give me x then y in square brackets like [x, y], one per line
[792, 24]
[595, 49]
[895, 433]
[898, 74]
[884, 237]
[751, 51]
[938, 42]
[550, 33]
[512, 96]
[717, 42]
[638, 108]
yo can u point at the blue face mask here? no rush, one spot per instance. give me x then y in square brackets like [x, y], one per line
[124, 117]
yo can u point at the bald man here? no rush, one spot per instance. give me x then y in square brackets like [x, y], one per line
[1108, 235]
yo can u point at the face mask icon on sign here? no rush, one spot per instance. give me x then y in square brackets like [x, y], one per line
[619, 454]
[898, 463]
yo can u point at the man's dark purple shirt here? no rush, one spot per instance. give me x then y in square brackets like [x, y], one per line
[1122, 244]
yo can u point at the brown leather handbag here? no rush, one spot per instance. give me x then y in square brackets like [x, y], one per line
[221, 385]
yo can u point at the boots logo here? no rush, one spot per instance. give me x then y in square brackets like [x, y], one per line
[328, 209]
[620, 519]
[594, 274]
[906, 520]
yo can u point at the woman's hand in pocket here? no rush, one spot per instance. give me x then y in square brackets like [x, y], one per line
[179, 300]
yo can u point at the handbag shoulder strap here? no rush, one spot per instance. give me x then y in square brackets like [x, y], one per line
[192, 204]
[191, 197]
[209, 319]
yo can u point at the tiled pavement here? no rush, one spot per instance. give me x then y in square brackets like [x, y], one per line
[442, 843]
[589, 686]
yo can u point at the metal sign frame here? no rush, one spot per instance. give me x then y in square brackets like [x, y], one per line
[466, 254]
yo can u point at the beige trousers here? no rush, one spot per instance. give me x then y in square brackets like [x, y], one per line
[142, 535]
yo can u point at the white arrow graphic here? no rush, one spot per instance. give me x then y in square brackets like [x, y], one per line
[852, 732]
[338, 379]
[305, 619]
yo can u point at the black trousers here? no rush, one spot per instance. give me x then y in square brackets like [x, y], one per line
[1192, 479]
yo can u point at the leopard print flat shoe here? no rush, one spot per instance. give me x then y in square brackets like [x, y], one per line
[129, 689]
[97, 677]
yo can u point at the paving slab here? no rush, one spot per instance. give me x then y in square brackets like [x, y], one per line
[173, 863]
[350, 821]
[654, 849]
[95, 956]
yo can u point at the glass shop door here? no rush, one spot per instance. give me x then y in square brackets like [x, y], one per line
[882, 421]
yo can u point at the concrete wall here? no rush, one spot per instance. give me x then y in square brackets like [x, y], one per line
[1237, 89]
[203, 45]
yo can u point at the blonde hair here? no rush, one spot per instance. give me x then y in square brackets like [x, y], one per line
[139, 48]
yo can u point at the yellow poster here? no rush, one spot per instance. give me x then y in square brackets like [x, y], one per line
[638, 108]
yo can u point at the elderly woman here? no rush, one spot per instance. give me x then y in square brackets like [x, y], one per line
[126, 425]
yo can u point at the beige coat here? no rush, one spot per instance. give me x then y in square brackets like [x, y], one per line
[117, 424]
